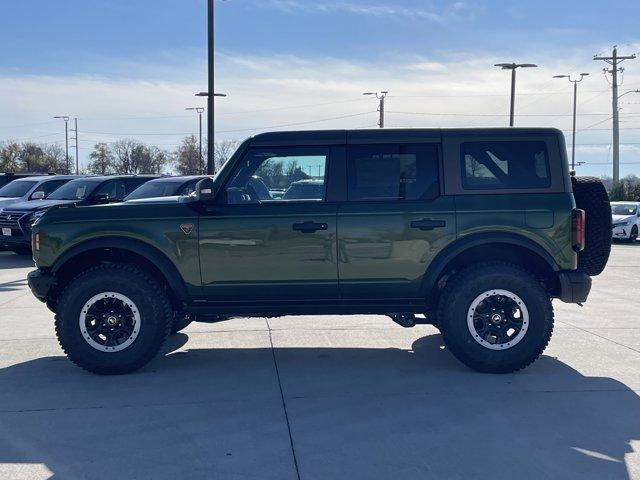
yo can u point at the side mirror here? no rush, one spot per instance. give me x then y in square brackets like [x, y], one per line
[39, 195]
[101, 198]
[204, 190]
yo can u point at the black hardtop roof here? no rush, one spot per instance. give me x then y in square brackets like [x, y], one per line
[336, 137]
[102, 178]
[178, 178]
[46, 178]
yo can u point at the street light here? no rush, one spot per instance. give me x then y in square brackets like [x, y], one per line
[211, 162]
[513, 67]
[66, 136]
[380, 96]
[199, 111]
[575, 106]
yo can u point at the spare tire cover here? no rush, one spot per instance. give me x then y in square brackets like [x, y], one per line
[592, 197]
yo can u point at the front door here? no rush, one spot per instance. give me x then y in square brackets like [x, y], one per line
[272, 234]
[394, 222]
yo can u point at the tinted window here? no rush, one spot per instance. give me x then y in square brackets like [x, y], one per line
[114, 188]
[155, 189]
[48, 187]
[188, 188]
[393, 172]
[75, 190]
[130, 184]
[278, 176]
[17, 188]
[621, 209]
[505, 165]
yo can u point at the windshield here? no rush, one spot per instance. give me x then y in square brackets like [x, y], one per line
[17, 188]
[622, 209]
[74, 190]
[155, 189]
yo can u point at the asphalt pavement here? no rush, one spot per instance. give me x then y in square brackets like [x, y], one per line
[329, 397]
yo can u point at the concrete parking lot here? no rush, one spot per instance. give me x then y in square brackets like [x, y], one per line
[326, 398]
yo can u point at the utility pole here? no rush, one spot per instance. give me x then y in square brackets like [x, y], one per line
[77, 147]
[66, 137]
[575, 107]
[380, 96]
[513, 67]
[200, 111]
[614, 60]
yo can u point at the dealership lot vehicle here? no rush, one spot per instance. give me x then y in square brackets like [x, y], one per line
[30, 191]
[165, 187]
[84, 191]
[477, 229]
[9, 177]
[626, 220]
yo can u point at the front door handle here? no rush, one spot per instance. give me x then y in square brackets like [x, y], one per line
[309, 227]
[428, 224]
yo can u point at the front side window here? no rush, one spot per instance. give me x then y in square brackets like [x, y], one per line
[281, 175]
[505, 165]
[392, 172]
[48, 187]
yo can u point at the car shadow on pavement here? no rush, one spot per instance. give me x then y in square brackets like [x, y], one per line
[13, 285]
[12, 260]
[353, 413]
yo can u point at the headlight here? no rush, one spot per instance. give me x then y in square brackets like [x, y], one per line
[35, 216]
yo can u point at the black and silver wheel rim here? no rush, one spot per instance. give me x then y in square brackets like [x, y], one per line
[109, 322]
[498, 319]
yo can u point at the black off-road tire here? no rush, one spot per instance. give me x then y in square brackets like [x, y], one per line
[460, 292]
[592, 197]
[180, 323]
[634, 234]
[149, 297]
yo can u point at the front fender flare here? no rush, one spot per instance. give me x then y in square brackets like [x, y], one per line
[149, 252]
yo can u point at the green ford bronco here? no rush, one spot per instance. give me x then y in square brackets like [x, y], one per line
[474, 231]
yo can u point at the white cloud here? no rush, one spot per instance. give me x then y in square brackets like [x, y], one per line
[368, 9]
[288, 92]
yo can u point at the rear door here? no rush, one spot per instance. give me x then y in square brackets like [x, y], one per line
[395, 219]
[254, 247]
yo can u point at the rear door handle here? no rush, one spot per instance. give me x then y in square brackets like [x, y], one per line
[428, 224]
[309, 227]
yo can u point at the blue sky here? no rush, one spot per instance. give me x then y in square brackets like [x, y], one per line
[128, 68]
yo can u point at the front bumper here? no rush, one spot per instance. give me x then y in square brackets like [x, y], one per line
[40, 283]
[622, 231]
[574, 286]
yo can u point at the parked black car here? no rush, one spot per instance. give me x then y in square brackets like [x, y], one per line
[16, 220]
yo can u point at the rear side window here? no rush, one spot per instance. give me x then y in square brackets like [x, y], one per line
[505, 165]
[392, 172]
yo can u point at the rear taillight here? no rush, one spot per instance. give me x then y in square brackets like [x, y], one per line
[577, 229]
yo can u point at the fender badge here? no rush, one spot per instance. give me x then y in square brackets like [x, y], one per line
[186, 228]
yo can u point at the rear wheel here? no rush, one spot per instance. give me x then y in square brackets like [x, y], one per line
[634, 234]
[112, 319]
[495, 317]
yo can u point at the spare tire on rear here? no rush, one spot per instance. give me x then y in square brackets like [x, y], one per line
[592, 197]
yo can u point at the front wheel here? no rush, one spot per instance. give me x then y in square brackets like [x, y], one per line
[634, 234]
[112, 319]
[495, 317]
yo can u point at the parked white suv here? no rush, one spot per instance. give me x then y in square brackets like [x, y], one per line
[626, 220]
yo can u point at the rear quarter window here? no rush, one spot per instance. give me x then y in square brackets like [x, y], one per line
[495, 165]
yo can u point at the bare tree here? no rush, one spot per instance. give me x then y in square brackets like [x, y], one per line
[187, 157]
[102, 160]
[10, 156]
[223, 151]
[42, 158]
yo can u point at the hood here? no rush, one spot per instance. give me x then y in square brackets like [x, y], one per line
[622, 218]
[172, 199]
[9, 200]
[33, 205]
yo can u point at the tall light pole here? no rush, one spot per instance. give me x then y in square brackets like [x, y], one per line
[513, 67]
[66, 137]
[77, 145]
[211, 161]
[199, 110]
[380, 96]
[575, 107]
